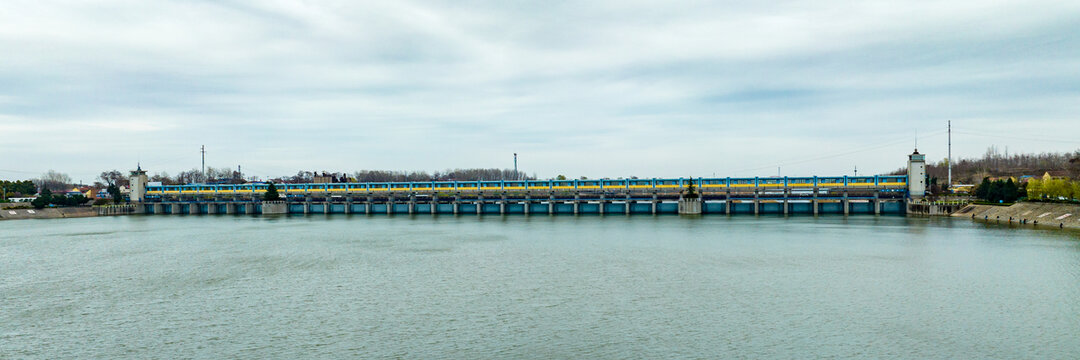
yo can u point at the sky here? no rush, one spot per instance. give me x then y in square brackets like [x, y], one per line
[593, 88]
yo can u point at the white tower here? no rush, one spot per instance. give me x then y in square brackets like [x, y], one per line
[138, 181]
[916, 170]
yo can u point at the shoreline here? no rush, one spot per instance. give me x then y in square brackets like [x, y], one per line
[1036, 215]
[48, 213]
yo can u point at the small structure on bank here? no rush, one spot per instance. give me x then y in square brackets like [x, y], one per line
[690, 200]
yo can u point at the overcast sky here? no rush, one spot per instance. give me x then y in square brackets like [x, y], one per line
[598, 88]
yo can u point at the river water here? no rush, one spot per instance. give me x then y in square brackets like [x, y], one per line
[345, 286]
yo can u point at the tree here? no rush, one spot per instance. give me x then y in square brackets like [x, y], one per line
[982, 190]
[995, 193]
[1008, 191]
[560, 177]
[114, 192]
[271, 193]
[53, 181]
[113, 177]
[690, 192]
[41, 201]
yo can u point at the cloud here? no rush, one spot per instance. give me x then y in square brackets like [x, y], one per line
[597, 89]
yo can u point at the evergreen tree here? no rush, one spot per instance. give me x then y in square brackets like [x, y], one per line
[271, 193]
[1009, 191]
[114, 192]
[983, 188]
[996, 191]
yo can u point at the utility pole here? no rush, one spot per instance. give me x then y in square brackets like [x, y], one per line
[856, 170]
[204, 162]
[515, 167]
[948, 185]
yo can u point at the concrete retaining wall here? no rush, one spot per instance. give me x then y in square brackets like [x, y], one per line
[54, 213]
[1048, 215]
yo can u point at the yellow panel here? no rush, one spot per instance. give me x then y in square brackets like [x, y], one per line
[562, 187]
[742, 185]
[588, 187]
[514, 188]
[801, 184]
[641, 186]
[831, 184]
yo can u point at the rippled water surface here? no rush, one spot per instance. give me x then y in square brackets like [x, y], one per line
[535, 287]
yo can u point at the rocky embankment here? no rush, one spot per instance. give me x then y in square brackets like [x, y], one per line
[57, 213]
[1033, 214]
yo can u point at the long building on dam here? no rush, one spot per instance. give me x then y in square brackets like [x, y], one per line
[881, 194]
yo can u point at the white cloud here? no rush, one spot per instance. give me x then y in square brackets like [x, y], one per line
[282, 85]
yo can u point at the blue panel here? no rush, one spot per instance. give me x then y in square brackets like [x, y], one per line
[771, 208]
[588, 208]
[401, 208]
[317, 208]
[296, 208]
[491, 209]
[203, 208]
[830, 208]
[667, 208]
[801, 208]
[538, 208]
[742, 208]
[564, 208]
[892, 208]
[359, 208]
[712, 207]
[615, 208]
[221, 209]
[641, 208]
[185, 209]
[446, 208]
[378, 208]
[467, 209]
[862, 208]
[423, 208]
[337, 208]
[515, 208]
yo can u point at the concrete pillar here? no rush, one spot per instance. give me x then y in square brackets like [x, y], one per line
[348, 204]
[757, 203]
[654, 202]
[193, 209]
[528, 203]
[158, 209]
[502, 206]
[367, 206]
[479, 204]
[551, 204]
[434, 204]
[307, 206]
[457, 204]
[249, 208]
[412, 203]
[787, 195]
[326, 206]
[877, 203]
[846, 205]
[602, 203]
[211, 208]
[629, 204]
[577, 198]
[176, 207]
[814, 202]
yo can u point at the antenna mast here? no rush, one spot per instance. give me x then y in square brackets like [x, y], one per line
[203, 151]
[515, 167]
[948, 185]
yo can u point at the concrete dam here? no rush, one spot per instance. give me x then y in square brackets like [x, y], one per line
[881, 194]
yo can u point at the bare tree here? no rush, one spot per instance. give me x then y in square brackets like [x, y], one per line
[113, 177]
[54, 181]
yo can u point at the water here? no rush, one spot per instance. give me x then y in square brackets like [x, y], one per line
[535, 287]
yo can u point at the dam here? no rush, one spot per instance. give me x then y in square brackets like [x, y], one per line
[880, 194]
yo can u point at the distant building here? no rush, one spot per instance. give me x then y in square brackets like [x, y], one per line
[962, 188]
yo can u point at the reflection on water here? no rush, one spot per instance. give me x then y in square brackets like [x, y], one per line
[538, 287]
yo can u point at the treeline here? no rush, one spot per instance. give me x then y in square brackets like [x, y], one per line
[995, 163]
[19, 188]
[1053, 189]
[998, 191]
[47, 198]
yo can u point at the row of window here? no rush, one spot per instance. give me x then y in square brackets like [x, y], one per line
[549, 184]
